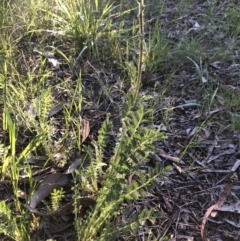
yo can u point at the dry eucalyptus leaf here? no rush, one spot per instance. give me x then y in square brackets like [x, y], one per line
[73, 166]
[21, 194]
[236, 165]
[46, 54]
[216, 206]
[55, 110]
[31, 110]
[31, 113]
[85, 129]
[49, 183]
[233, 208]
[227, 152]
[54, 62]
[237, 225]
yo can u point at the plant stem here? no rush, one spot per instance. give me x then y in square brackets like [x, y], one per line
[141, 39]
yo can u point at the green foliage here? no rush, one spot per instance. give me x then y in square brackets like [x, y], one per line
[233, 14]
[135, 142]
[56, 197]
[128, 228]
[134, 137]
[132, 72]
[12, 226]
[103, 136]
[156, 51]
[89, 178]
[86, 24]
[82, 20]
[42, 104]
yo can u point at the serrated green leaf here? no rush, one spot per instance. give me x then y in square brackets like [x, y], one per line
[142, 178]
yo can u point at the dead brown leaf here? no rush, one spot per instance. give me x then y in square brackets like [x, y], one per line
[219, 203]
[85, 128]
[55, 110]
[237, 225]
[233, 208]
[54, 62]
[227, 152]
[73, 166]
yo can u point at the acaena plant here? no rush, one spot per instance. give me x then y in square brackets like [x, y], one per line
[134, 144]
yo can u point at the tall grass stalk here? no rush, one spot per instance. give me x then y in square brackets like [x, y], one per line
[141, 43]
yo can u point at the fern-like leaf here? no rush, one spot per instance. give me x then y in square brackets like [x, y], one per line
[42, 104]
